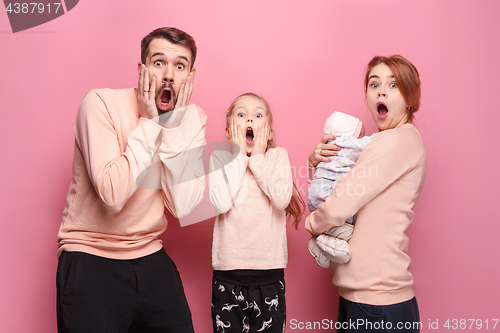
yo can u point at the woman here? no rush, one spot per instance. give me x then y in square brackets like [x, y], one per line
[376, 286]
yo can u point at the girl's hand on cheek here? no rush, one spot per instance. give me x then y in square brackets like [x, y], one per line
[261, 140]
[237, 138]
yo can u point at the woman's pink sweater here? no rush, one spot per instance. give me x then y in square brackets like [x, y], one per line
[381, 190]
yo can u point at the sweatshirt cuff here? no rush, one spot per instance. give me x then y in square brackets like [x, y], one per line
[172, 142]
[255, 160]
[150, 130]
[246, 159]
[310, 173]
[309, 222]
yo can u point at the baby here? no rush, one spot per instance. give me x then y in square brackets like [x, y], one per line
[332, 244]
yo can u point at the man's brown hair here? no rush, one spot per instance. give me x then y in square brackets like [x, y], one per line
[174, 36]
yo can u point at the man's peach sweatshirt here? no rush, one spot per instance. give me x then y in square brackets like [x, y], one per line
[381, 190]
[126, 170]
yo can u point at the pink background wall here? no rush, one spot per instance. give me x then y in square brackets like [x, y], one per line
[307, 58]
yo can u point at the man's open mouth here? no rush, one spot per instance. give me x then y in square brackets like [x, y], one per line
[249, 135]
[382, 109]
[165, 99]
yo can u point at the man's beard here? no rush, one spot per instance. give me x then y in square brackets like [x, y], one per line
[172, 100]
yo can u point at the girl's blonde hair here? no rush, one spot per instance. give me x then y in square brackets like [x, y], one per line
[297, 205]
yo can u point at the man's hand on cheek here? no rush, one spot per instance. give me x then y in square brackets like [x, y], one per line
[146, 94]
[173, 118]
[185, 91]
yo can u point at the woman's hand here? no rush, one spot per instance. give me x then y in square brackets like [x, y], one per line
[261, 139]
[323, 151]
[237, 138]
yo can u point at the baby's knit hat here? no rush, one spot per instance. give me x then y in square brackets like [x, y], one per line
[342, 124]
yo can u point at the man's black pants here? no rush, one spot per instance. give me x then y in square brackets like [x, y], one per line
[96, 294]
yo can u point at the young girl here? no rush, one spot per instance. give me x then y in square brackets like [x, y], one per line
[252, 190]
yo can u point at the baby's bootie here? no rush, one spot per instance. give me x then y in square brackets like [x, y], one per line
[317, 253]
[333, 243]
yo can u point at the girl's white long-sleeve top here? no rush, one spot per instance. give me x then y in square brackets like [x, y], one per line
[250, 195]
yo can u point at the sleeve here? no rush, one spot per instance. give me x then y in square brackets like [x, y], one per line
[383, 161]
[181, 150]
[112, 172]
[227, 173]
[310, 173]
[272, 173]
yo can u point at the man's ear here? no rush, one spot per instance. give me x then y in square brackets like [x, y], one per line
[193, 72]
[139, 64]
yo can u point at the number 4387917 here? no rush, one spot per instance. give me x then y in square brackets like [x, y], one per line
[32, 7]
[470, 324]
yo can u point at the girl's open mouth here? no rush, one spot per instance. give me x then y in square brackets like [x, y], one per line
[249, 135]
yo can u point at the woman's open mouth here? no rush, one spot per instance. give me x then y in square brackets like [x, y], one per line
[164, 100]
[249, 135]
[382, 110]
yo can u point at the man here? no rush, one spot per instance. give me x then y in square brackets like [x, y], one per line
[129, 164]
